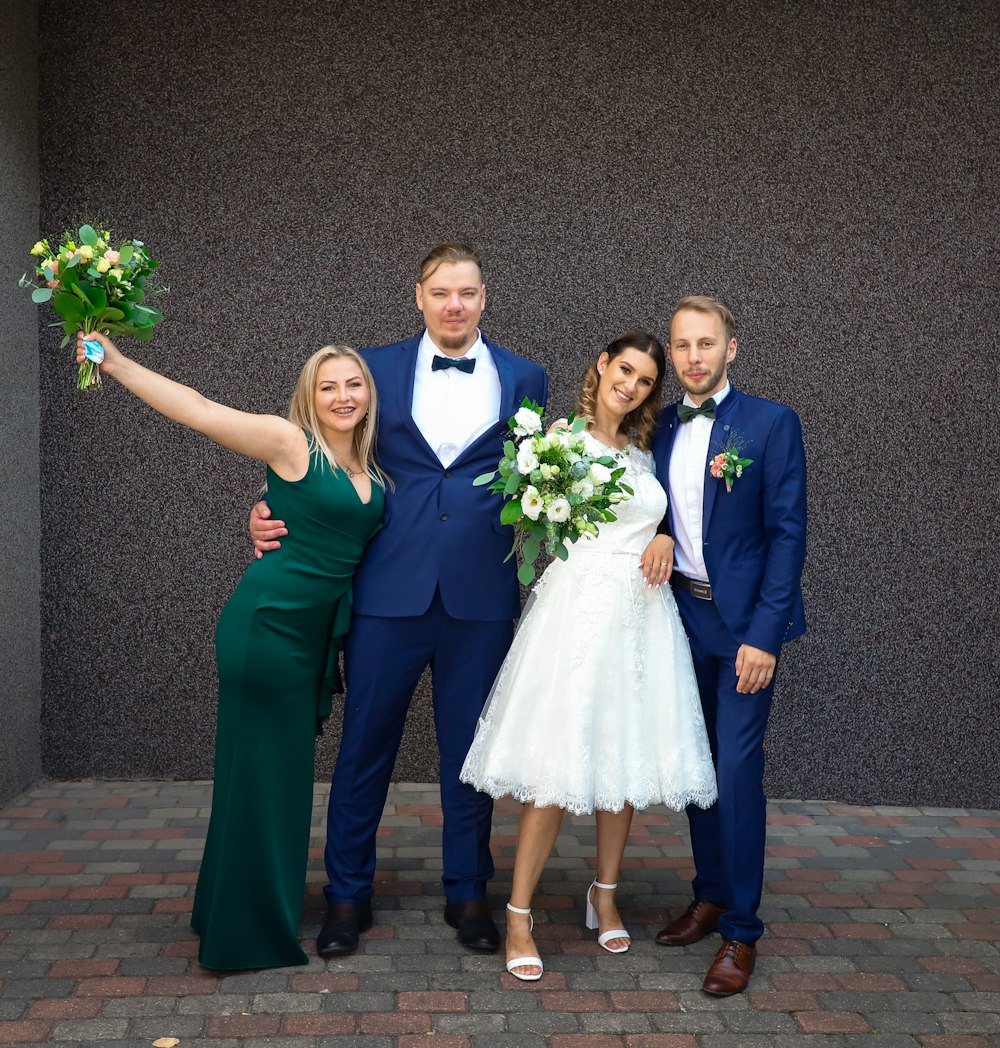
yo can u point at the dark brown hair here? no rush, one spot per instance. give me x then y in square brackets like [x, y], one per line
[637, 424]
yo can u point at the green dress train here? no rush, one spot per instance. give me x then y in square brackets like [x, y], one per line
[277, 642]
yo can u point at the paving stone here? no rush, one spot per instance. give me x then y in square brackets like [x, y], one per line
[90, 1029]
[921, 981]
[471, 1023]
[544, 1023]
[180, 1026]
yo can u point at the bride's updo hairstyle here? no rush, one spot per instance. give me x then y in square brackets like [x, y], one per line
[637, 424]
[302, 411]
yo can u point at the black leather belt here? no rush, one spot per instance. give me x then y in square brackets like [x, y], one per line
[701, 590]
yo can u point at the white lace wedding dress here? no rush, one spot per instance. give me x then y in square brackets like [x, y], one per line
[596, 705]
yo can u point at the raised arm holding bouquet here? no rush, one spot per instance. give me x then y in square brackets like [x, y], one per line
[596, 706]
[277, 640]
[96, 283]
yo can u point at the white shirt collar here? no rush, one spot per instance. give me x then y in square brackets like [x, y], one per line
[717, 397]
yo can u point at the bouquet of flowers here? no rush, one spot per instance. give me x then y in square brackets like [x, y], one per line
[95, 283]
[557, 489]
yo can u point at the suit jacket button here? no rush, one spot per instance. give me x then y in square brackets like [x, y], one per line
[447, 472]
[444, 516]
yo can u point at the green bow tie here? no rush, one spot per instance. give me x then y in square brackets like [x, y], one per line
[685, 413]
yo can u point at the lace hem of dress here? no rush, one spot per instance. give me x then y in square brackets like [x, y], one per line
[703, 795]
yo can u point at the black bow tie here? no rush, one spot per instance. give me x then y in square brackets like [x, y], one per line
[466, 364]
[686, 413]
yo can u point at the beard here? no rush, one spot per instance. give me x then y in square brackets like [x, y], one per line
[705, 385]
[455, 341]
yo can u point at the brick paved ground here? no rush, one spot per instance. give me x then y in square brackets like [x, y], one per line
[883, 930]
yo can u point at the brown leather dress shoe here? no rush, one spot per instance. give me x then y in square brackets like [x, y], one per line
[731, 969]
[697, 921]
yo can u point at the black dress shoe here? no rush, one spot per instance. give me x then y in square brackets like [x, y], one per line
[474, 923]
[344, 923]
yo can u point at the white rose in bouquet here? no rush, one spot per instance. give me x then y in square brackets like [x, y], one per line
[600, 474]
[526, 422]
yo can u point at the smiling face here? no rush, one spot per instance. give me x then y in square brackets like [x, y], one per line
[626, 380]
[700, 352]
[452, 299]
[341, 396]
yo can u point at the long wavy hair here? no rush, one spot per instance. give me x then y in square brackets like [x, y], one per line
[639, 423]
[302, 411]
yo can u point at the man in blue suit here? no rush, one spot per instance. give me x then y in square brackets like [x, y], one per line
[740, 534]
[431, 590]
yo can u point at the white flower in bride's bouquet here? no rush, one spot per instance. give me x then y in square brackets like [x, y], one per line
[546, 471]
[558, 511]
[584, 488]
[526, 422]
[599, 474]
[531, 503]
[527, 460]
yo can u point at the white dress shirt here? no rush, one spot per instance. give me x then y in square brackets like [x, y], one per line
[450, 407]
[688, 469]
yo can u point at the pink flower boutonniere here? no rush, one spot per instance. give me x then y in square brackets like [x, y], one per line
[728, 465]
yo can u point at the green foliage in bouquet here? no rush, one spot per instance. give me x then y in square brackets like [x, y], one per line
[557, 489]
[95, 283]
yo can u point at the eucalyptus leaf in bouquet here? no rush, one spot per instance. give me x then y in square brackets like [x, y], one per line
[557, 489]
[95, 282]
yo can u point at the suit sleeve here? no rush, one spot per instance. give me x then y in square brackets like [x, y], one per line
[784, 518]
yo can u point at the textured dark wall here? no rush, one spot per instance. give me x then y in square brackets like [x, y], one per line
[831, 170]
[20, 659]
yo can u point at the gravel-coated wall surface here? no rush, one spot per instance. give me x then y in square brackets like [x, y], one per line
[20, 658]
[831, 170]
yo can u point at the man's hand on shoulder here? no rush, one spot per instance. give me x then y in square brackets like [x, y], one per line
[264, 531]
[755, 668]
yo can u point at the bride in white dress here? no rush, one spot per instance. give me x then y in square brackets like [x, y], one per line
[596, 706]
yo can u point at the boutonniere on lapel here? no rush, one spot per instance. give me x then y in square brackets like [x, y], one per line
[729, 464]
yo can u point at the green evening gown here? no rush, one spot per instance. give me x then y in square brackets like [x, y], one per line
[277, 642]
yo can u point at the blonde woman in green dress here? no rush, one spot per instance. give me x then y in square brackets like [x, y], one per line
[277, 640]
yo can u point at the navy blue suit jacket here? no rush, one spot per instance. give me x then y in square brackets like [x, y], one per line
[439, 532]
[754, 537]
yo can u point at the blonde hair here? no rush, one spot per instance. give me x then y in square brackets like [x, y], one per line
[639, 423]
[709, 304]
[302, 411]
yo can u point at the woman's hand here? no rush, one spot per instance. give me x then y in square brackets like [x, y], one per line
[112, 356]
[658, 560]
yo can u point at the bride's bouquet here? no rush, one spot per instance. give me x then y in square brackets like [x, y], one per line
[557, 489]
[95, 283]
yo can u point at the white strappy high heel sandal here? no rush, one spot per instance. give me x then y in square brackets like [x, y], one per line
[592, 922]
[525, 962]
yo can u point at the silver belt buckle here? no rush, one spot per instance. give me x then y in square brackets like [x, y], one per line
[701, 590]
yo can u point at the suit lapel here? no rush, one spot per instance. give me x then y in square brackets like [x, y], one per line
[720, 431]
[505, 372]
[667, 438]
[405, 377]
